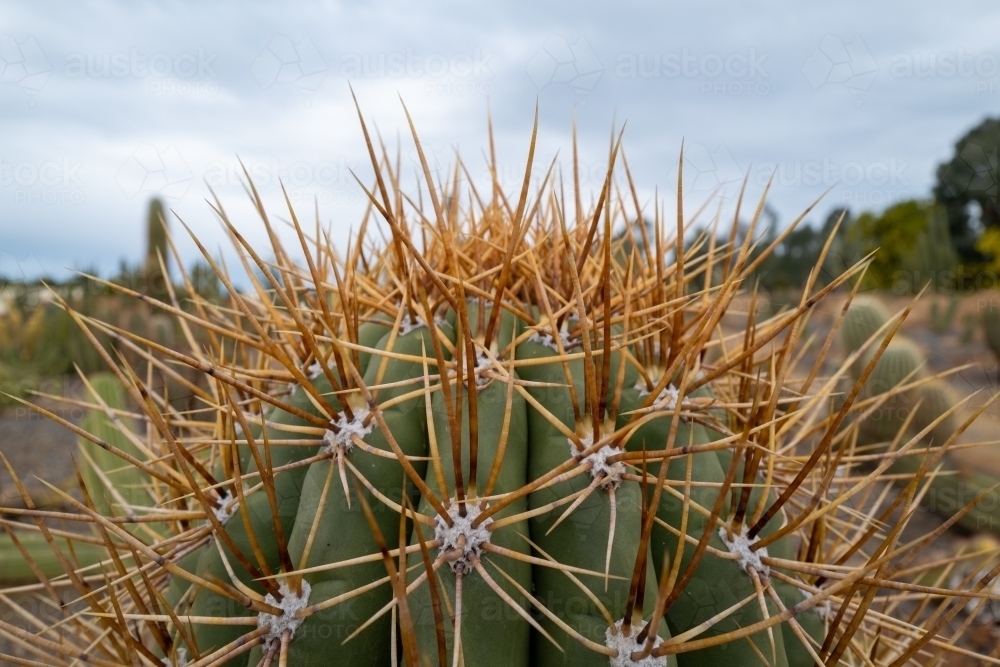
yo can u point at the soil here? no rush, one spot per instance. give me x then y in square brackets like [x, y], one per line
[38, 449]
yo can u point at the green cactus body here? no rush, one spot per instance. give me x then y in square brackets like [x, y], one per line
[936, 397]
[580, 540]
[864, 317]
[717, 584]
[127, 482]
[810, 620]
[950, 493]
[342, 531]
[369, 335]
[156, 246]
[288, 486]
[969, 326]
[479, 594]
[899, 364]
[484, 614]
[15, 570]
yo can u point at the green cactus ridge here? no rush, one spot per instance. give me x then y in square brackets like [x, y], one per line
[864, 317]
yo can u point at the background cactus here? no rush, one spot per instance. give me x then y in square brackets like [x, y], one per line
[969, 326]
[500, 446]
[941, 320]
[899, 413]
[156, 247]
[990, 317]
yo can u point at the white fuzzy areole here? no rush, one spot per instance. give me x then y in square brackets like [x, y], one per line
[483, 363]
[548, 341]
[227, 507]
[626, 646]
[599, 466]
[747, 557]
[406, 326]
[182, 659]
[824, 609]
[343, 439]
[314, 370]
[450, 538]
[667, 400]
[290, 605]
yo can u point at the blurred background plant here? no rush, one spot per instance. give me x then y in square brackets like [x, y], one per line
[39, 339]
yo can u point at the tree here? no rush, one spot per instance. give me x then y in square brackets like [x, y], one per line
[971, 177]
[894, 234]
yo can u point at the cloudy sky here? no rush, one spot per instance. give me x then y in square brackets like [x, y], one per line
[103, 105]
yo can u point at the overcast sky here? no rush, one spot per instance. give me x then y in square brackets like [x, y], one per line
[103, 105]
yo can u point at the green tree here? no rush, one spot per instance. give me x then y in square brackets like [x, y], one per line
[971, 176]
[895, 234]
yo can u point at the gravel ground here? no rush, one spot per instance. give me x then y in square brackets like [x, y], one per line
[38, 449]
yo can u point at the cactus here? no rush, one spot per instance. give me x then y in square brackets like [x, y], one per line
[23, 556]
[864, 317]
[990, 318]
[500, 446]
[969, 325]
[927, 409]
[941, 322]
[114, 488]
[899, 365]
[156, 246]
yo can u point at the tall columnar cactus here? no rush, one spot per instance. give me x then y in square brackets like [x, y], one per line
[502, 445]
[156, 247]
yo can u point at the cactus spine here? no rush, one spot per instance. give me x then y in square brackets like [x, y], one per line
[502, 446]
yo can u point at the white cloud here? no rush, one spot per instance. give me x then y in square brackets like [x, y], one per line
[126, 138]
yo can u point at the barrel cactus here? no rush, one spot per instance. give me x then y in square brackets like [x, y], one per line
[905, 402]
[494, 440]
